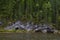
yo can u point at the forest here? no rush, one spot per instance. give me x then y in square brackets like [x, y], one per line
[36, 11]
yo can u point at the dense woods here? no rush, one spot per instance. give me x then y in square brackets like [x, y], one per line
[37, 11]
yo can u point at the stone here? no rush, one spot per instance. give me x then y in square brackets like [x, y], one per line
[44, 28]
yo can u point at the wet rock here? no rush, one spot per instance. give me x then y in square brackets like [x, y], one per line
[55, 31]
[14, 26]
[45, 29]
[19, 25]
[28, 26]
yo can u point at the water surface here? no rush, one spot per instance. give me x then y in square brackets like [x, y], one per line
[29, 36]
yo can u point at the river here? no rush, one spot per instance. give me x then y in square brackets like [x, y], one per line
[29, 36]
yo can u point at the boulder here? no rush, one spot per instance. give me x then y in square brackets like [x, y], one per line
[19, 25]
[45, 29]
[14, 26]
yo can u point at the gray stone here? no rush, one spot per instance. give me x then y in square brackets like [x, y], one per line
[19, 25]
[44, 28]
[30, 26]
[14, 25]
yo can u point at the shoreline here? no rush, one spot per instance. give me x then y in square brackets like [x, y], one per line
[30, 32]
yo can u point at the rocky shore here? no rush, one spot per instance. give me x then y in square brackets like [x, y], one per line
[30, 26]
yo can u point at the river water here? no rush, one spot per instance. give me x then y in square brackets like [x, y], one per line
[29, 36]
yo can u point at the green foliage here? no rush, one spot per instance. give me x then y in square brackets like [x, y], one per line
[37, 11]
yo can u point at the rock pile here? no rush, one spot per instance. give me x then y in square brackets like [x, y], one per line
[30, 26]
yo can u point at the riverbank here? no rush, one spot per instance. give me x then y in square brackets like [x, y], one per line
[15, 31]
[22, 31]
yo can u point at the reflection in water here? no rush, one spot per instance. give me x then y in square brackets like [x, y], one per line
[28, 36]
